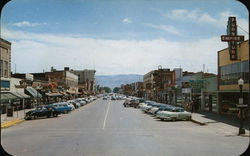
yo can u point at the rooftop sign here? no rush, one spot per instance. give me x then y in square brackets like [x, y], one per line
[232, 38]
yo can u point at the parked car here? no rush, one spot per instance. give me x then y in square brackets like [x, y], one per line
[62, 106]
[144, 103]
[75, 104]
[155, 108]
[80, 101]
[71, 105]
[113, 98]
[174, 113]
[42, 111]
[134, 103]
[105, 98]
[127, 103]
[147, 106]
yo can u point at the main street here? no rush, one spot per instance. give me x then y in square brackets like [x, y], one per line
[106, 128]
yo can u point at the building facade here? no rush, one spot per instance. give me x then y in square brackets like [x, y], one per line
[229, 72]
[64, 80]
[86, 80]
[148, 81]
[5, 64]
[158, 85]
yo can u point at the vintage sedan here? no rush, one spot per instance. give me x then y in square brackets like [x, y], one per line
[127, 103]
[147, 106]
[42, 111]
[63, 107]
[174, 113]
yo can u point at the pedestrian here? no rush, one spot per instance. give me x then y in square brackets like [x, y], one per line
[191, 104]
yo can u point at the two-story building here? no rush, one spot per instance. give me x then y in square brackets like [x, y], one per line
[229, 72]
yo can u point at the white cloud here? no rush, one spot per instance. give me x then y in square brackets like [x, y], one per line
[167, 28]
[37, 52]
[28, 24]
[220, 21]
[127, 20]
[195, 15]
[178, 13]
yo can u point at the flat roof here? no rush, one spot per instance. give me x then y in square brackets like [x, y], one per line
[237, 44]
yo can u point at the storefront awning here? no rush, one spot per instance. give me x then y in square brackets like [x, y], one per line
[84, 92]
[72, 92]
[6, 96]
[53, 94]
[21, 95]
[33, 92]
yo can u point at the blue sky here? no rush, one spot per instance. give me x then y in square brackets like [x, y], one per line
[117, 36]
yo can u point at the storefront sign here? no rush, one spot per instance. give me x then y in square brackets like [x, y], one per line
[186, 90]
[242, 106]
[232, 38]
[196, 83]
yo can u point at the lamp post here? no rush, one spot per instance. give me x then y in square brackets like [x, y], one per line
[176, 86]
[240, 83]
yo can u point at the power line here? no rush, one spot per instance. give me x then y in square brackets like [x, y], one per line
[243, 29]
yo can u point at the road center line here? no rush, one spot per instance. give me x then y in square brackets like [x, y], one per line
[106, 115]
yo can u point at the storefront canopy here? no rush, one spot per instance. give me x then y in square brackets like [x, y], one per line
[21, 95]
[72, 92]
[6, 96]
[33, 92]
[53, 94]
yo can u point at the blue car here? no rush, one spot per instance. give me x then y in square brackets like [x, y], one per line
[62, 107]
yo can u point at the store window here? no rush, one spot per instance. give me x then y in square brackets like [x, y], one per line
[6, 69]
[230, 74]
[1, 68]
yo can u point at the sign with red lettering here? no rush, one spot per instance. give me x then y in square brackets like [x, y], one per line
[232, 38]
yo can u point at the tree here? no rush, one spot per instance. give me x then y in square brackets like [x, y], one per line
[107, 89]
[116, 89]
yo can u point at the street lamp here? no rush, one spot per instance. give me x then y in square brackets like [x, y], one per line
[176, 86]
[240, 83]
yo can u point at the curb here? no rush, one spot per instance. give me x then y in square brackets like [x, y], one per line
[11, 123]
[198, 122]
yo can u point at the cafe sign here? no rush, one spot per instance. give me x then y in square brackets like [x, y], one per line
[232, 38]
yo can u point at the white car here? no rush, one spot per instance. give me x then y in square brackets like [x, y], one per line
[173, 114]
[76, 104]
[153, 110]
[145, 107]
[141, 105]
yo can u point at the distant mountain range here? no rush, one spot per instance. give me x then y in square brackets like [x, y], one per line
[113, 81]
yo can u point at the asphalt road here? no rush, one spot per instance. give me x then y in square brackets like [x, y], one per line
[106, 128]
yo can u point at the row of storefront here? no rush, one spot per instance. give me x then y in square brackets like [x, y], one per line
[216, 93]
[30, 97]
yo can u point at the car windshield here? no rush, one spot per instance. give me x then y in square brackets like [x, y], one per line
[124, 77]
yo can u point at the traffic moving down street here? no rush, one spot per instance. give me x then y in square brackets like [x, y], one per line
[105, 127]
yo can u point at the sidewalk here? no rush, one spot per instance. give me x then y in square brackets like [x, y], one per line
[18, 117]
[223, 121]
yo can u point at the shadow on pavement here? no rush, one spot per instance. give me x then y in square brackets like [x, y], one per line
[227, 119]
